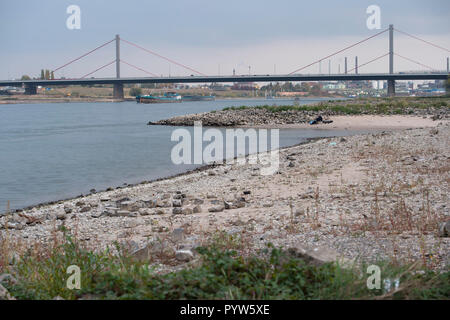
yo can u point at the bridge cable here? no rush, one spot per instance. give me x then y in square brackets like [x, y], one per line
[131, 65]
[427, 42]
[84, 55]
[351, 46]
[98, 69]
[364, 64]
[162, 57]
[416, 62]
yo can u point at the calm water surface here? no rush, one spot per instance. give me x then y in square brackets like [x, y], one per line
[59, 150]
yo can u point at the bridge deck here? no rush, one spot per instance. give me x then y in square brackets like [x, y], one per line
[247, 78]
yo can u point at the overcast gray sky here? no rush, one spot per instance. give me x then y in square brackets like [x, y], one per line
[216, 36]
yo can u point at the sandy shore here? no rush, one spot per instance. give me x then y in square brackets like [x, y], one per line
[361, 122]
[373, 196]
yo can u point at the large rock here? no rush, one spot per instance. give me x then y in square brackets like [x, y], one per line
[6, 277]
[444, 229]
[184, 255]
[4, 294]
[320, 255]
[61, 215]
[177, 210]
[177, 203]
[218, 208]
[153, 250]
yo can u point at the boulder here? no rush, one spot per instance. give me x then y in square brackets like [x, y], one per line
[153, 249]
[177, 210]
[444, 229]
[320, 255]
[176, 203]
[61, 215]
[4, 294]
[197, 201]
[218, 208]
[184, 255]
[67, 209]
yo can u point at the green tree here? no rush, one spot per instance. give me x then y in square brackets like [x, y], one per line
[316, 90]
[47, 74]
[135, 91]
[52, 75]
[25, 77]
[42, 74]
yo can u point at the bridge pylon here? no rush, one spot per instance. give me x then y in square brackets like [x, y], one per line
[118, 87]
[391, 83]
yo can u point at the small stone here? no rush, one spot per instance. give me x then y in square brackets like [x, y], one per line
[247, 192]
[197, 209]
[187, 211]
[291, 164]
[85, 209]
[268, 204]
[68, 210]
[176, 203]
[111, 211]
[218, 208]
[99, 214]
[61, 216]
[160, 211]
[239, 204]
[144, 212]
[164, 204]
[178, 235]
[177, 210]
[79, 204]
[298, 212]
[126, 213]
[228, 205]
[184, 255]
[105, 199]
[126, 205]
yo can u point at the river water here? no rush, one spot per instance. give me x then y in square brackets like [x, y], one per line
[52, 151]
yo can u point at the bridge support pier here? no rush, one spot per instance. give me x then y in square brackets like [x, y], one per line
[391, 88]
[30, 89]
[118, 91]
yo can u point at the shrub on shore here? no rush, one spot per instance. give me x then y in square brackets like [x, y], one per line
[361, 106]
[222, 274]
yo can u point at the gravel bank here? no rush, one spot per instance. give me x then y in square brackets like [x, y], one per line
[367, 196]
[263, 116]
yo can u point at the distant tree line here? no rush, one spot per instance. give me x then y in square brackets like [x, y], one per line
[289, 87]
